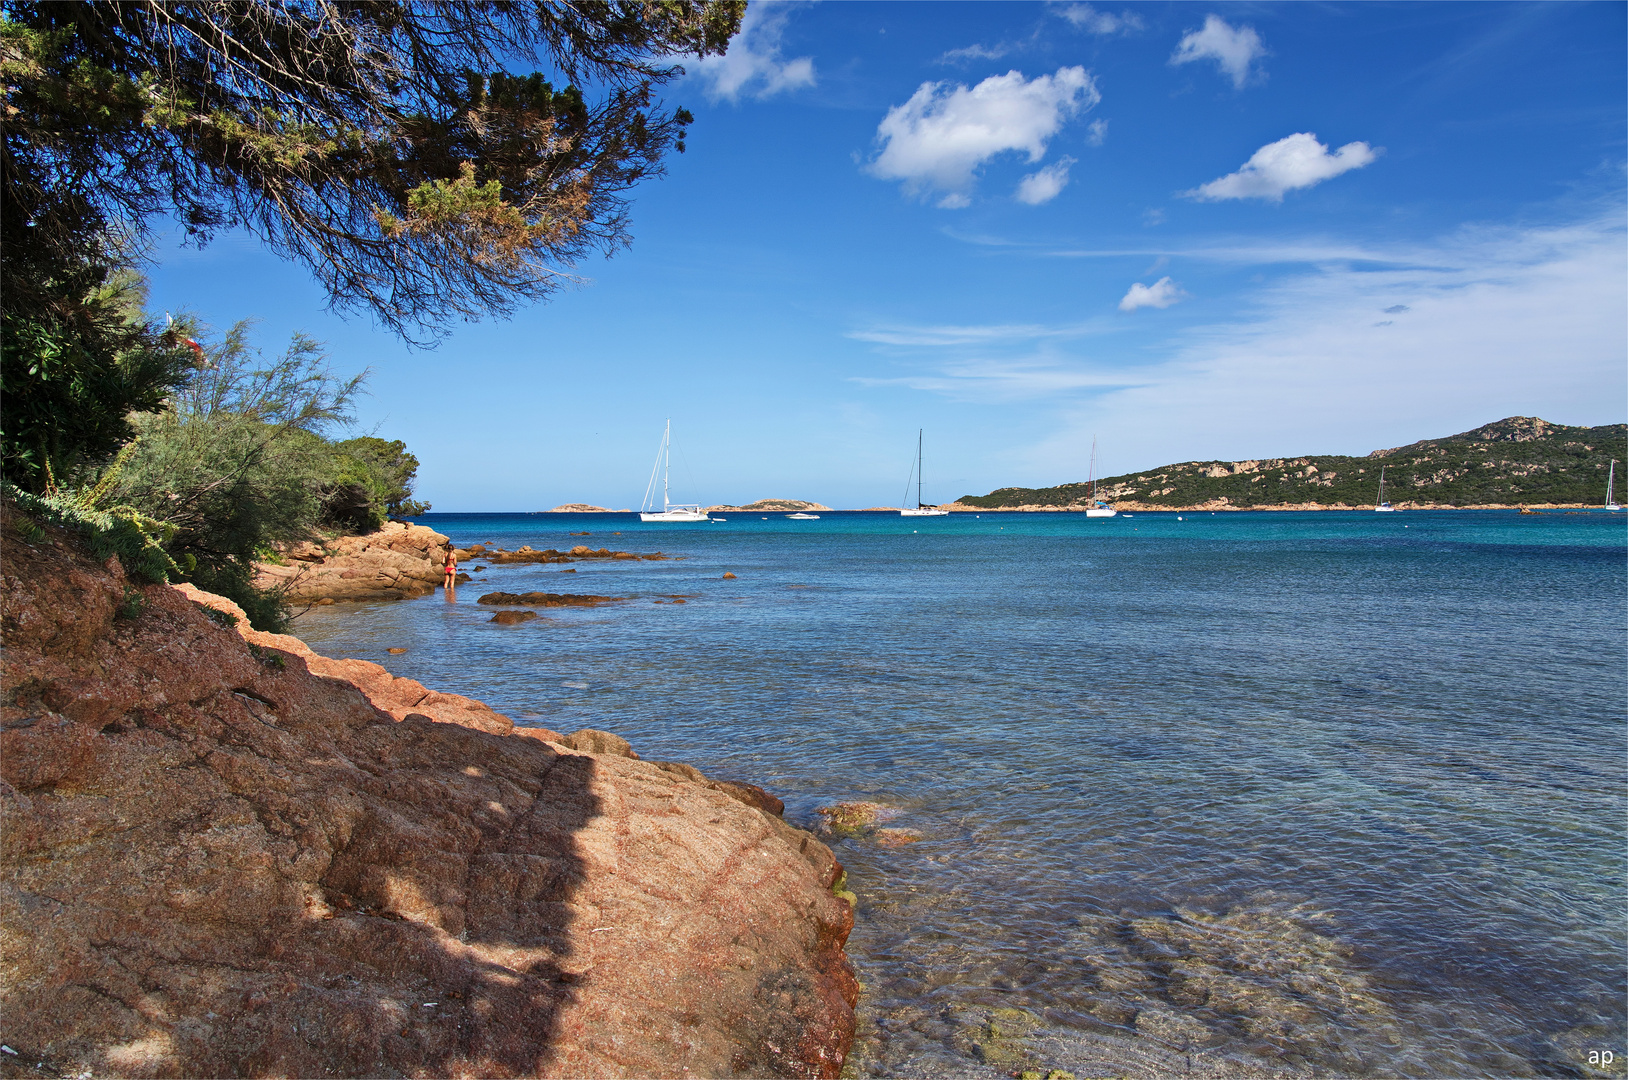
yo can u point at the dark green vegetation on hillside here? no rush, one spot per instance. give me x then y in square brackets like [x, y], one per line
[1518, 461]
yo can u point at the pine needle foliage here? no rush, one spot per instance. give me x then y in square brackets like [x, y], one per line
[386, 146]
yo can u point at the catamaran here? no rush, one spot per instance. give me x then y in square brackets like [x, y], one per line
[922, 509]
[1380, 505]
[669, 511]
[1610, 483]
[1098, 507]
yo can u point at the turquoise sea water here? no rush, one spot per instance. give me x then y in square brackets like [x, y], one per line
[1336, 793]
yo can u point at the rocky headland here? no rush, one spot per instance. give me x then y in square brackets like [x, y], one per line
[227, 855]
[398, 562]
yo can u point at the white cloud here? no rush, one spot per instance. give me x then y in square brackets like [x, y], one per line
[1097, 133]
[1045, 185]
[1233, 49]
[1296, 161]
[753, 65]
[937, 140]
[975, 52]
[1089, 19]
[1161, 294]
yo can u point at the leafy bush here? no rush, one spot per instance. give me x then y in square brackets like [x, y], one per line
[74, 368]
[387, 470]
[238, 464]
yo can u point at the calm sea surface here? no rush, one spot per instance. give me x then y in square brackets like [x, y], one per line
[1333, 794]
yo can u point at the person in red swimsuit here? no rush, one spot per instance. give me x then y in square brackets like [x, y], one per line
[450, 567]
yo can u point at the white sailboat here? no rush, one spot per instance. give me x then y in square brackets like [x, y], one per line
[922, 509]
[1098, 507]
[1610, 484]
[1380, 505]
[672, 512]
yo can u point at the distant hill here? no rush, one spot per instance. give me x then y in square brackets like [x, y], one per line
[1515, 462]
[774, 506]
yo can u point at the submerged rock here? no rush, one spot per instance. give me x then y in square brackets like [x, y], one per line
[1001, 1040]
[510, 618]
[526, 554]
[547, 599]
[853, 818]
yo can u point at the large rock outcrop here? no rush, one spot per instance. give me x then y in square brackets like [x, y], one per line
[398, 562]
[221, 858]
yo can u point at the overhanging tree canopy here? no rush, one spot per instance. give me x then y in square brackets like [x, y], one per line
[388, 146]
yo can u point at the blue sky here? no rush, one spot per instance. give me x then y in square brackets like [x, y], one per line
[1190, 231]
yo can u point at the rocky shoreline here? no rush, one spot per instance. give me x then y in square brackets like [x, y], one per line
[398, 562]
[226, 855]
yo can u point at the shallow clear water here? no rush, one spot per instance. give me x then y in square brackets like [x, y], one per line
[1321, 793]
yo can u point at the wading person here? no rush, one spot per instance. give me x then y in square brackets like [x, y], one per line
[450, 568]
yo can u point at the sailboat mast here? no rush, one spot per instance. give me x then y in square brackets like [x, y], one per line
[918, 467]
[666, 466]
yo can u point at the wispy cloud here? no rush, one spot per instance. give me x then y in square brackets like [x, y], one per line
[976, 52]
[1234, 49]
[1295, 161]
[942, 336]
[1161, 294]
[753, 66]
[1092, 21]
[1499, 322]
[936, 141]
[998, 380]
[1242, 251]
[1097, 132]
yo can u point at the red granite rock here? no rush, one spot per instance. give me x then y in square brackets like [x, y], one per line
[397, 562]
[225, 855]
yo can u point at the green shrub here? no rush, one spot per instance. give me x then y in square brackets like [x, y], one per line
[138, 540]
